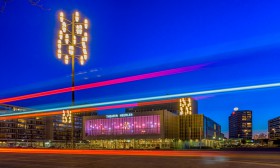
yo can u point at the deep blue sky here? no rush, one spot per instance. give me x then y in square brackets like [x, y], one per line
[241, 38]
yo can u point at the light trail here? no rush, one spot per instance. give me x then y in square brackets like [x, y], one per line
[242, 88]
[110, 152]
[106, 83]
[84, 110]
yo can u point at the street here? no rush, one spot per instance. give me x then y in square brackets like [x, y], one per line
[48, 158]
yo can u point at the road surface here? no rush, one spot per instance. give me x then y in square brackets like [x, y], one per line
[52, 158]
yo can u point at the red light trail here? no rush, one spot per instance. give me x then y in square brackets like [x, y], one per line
[110, 152]
[106, 83]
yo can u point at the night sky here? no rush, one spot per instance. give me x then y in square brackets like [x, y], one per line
[239, 40]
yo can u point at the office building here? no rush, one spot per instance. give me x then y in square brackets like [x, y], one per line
[21, 132]
[274, 128]
[38, 131]
[240, 124]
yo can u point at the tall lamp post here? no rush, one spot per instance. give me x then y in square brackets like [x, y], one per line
[72, 45]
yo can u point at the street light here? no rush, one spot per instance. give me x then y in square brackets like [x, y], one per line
[273, 129]
[66, 119]
[72, 45]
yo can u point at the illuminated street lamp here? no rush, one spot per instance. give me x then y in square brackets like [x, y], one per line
[273, 129]
[67, 119]
[72, 45]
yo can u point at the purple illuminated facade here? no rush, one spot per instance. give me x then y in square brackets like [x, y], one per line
[137, 125]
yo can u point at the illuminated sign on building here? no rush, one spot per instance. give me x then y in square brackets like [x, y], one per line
[119, 115]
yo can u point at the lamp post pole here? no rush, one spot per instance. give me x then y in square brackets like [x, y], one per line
[73, 85]
[75, 40]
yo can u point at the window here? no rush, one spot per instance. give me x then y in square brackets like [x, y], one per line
[244, 118]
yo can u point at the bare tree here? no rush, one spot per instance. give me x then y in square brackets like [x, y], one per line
[36, 3]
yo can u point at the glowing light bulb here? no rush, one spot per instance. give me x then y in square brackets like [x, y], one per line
[66, 59]
[66, 38]
[86, 23]
[77, 16]
[84, 45]
[82, 61]
[60, 34]
[63, 27]
[85, 36]
[85, 56]
[59, 54]
[59, 44]
[84, 51]
[61, 16]
[71, 50]
[79, 29]
[74, 40]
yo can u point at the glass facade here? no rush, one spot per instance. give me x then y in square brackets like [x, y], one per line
[138, 125]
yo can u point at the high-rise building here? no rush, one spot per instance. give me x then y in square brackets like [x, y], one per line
[240, 124]
[274, 128]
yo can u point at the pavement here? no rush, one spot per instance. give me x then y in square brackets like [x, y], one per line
[53, 158]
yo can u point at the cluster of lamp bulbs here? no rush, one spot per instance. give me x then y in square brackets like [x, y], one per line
[185, 106]
[66, 116]
[70, 39]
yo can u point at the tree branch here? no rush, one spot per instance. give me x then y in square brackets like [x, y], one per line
[3, 5]
[37, 4]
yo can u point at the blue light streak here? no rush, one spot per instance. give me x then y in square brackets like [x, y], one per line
[225, 90]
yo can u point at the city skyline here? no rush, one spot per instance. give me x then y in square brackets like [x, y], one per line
[131, 38]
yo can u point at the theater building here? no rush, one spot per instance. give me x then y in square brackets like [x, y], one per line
[163, 126]
[131, 130]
